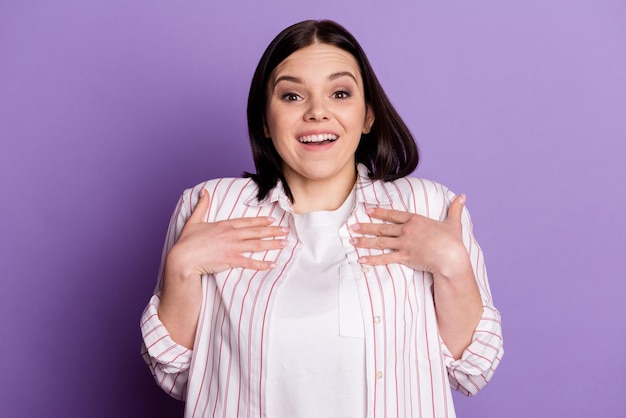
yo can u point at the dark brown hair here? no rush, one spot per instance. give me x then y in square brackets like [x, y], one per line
[388, 150]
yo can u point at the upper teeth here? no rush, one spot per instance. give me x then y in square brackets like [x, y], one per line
[318, 138]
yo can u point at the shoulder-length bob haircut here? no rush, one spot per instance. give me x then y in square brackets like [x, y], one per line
[388, 150]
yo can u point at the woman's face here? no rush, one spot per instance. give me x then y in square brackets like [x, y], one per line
[316, 114]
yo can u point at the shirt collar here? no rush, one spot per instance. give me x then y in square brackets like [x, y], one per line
[368, 191]
[276, 195]
[372, 192]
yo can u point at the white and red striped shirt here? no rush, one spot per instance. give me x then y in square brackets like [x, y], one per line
[408, 369]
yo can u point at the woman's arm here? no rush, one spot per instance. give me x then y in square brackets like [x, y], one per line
[436, 247]
[208, 248]
[193, 247]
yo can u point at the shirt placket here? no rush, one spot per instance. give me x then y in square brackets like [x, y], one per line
[373, 321]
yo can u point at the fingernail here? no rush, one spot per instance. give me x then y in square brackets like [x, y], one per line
[270, 219]
[272, 265]
[284, 229]
[369, 211]
[355, 227]
[353, 241]
[462, 199]
[362, 260]
[202, 192]
[284, 242]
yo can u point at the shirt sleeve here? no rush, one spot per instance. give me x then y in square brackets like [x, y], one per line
[478, 362]
[168, 361]
[476, 366]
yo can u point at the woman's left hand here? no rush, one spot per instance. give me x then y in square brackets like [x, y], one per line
[416, 241]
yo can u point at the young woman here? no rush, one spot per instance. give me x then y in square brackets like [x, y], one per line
[326, 284]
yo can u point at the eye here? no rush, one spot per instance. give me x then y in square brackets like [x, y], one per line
[341, 94]
[290, 97]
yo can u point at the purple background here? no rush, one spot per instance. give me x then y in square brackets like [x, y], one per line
[109, 109]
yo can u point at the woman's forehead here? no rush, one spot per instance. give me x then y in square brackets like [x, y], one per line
[317, 61]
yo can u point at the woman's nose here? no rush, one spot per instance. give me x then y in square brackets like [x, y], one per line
[316, 111]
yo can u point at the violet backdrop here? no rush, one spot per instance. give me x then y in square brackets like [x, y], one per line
[109, 109]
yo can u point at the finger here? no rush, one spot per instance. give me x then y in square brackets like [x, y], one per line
[391, 215]
[258, 245]
[456, 209]
[380, 243]
[386, 229]
[262, 232]
[257, 221]
[199, 212]
[252, 264]
[378, 260]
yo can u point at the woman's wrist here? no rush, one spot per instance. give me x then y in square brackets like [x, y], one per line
[454, 265]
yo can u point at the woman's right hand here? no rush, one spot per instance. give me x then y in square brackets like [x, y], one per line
[209, 248]
[212, 247]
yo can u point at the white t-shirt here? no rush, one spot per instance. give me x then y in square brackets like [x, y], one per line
[316, 355]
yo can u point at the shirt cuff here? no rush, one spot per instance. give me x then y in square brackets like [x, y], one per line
[163, 352]
[483, 355]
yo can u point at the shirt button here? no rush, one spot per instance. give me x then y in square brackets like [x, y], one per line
[365, 270]
[379, 374]
[377, 319]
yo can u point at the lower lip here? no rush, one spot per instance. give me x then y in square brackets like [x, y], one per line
[317, 146]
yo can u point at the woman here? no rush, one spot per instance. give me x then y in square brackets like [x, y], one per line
[327, 284]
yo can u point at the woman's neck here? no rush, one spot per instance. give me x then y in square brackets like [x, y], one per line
[310, 196]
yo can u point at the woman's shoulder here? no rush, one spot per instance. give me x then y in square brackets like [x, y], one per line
[420, 185]
[404, 187]
[422, 196]
[224, 190]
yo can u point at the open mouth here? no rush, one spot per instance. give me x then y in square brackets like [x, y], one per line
[317, 139]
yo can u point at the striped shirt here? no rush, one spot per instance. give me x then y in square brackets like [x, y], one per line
[409, 370]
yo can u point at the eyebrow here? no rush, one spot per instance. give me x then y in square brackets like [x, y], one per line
[331, 77]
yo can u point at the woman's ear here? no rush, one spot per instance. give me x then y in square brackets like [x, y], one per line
[369, 120]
